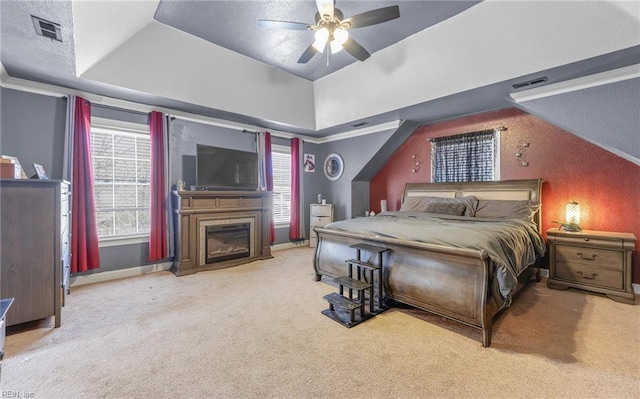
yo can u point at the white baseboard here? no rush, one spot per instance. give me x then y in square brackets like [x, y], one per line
[544, 273]
[289, 245]
[636, 289]
[116, 274]
[140, 270]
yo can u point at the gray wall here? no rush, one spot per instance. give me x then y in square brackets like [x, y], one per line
[356, 153]
[313, 182]
[186, 134]
[184, 137]
[32, 129]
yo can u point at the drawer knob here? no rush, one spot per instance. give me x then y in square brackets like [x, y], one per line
[587, 276]
[587, 257]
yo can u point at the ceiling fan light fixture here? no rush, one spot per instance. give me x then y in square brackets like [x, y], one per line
[331, 29]
[321, 36]
[340, 37]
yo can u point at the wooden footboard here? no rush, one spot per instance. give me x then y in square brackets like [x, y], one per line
[454, 283]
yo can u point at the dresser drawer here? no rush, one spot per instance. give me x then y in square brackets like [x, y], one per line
[66, 246]
[590, 275]
[319, 221]
[321, 210]
[590, 242]
[589, 256]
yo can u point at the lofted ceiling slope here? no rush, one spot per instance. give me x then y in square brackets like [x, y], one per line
[209, 20]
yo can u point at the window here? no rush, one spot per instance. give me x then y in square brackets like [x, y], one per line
[465, 157]
[281, 156]
[121, 160]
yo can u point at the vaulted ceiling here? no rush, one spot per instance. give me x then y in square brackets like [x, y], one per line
[438, 60]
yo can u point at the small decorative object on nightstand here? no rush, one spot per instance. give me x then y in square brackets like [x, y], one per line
[596, 261]
[573, 218]
[321, 215]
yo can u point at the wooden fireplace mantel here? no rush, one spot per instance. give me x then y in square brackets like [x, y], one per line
[193, 210]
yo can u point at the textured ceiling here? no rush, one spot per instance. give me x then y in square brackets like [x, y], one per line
[439, 60]
[24, 52]
[234, 25]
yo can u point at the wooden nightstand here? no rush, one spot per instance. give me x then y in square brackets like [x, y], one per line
[321, 215]
[596, 261]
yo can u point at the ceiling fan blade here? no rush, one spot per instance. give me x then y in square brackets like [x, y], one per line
[355, 49]
[373, 17]
[283, 25]
[307, 55]
[325, 7]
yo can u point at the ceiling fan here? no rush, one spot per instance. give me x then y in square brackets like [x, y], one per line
[331, 29]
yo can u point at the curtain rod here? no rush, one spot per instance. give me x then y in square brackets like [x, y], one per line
[248, 131]
[499, 129]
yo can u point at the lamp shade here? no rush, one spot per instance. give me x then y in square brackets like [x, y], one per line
[340, 36]
[573, 212]
[321, 36]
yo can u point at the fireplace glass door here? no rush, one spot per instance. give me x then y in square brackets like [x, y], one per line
[229, 241]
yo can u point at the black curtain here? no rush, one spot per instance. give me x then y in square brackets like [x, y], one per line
[464, 157]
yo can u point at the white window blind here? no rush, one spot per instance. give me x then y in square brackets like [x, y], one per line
[281, 157]
[464, 157]
[121, 167]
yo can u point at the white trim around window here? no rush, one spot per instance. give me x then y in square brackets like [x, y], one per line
[123, 129]
[277, 168]
[118, 241]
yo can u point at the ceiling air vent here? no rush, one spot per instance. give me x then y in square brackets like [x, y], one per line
[360, 124]
[47, 28]
[531, 82]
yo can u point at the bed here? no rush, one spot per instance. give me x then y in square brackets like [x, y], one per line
[465, 263]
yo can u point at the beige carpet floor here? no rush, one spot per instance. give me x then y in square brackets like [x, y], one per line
[256, 331]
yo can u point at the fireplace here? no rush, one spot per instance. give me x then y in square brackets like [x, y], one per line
[227, 241]
[199, 214]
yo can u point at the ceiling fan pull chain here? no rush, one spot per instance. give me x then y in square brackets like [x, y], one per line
[327, 51]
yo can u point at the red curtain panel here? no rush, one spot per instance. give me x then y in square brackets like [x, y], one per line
[294, 227]
[158, 217]
[84, 230]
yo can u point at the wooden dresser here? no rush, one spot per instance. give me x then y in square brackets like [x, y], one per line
[35, 247]
[596, 261]
[320, 215]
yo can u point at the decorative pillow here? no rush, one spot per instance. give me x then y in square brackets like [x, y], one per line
[446, 208]
[414, 204]
[507, 209]
[469, 202]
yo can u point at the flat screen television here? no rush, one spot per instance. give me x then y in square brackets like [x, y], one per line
[226, 169]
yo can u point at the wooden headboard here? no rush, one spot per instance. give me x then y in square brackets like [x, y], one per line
[515, 190]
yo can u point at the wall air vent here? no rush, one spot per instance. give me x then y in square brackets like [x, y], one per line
[531, 82]
[360, 124]
[47, 28]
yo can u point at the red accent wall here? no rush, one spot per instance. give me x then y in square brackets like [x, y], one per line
[606, 186]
